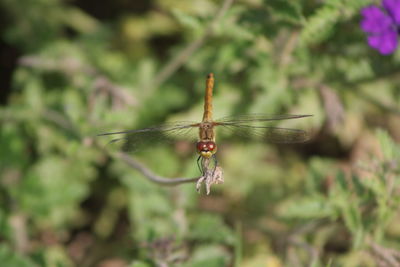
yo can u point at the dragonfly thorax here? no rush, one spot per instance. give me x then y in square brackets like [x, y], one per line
[206, 148]
[206, 131]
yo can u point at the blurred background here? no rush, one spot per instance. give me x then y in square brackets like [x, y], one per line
[71, 69]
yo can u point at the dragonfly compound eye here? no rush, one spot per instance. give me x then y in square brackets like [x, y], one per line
[206, 148]
[211, 146]
[201, 146]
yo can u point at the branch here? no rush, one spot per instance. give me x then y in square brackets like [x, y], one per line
[311, 250]
[18, 223]
[286, 54]
[149, 174]
[210, 175]
[175, 63]
[333, 107]
[385, 256]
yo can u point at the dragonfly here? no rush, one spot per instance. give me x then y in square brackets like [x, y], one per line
[206, 146]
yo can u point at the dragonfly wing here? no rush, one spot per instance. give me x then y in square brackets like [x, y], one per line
[265, 133]
[135, 140]
[252, 127]
[257, 118]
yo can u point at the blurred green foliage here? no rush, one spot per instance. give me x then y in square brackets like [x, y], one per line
[85, 67]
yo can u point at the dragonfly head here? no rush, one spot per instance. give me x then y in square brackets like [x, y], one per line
[206, 148]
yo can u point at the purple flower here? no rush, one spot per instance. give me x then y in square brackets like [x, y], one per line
[382, 26]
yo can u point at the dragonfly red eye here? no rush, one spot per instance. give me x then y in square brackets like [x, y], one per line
[201, 146]
[211, 146]
[206, 146]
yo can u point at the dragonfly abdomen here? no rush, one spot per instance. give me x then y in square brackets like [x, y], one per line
[207, 116]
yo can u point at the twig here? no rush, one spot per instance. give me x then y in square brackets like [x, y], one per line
[312, 251]
[18, 223]
[333, 106]
[387, 256]
[292, 258]
[290, 45]
[294, 240]
[150, 175]
[210, 175]
[181, 58]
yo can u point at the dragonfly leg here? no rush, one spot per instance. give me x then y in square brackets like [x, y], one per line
[215, 163]
[198, 164]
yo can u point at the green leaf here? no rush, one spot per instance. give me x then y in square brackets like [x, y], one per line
[307, 208]
[139, 264]
[390, 149]
[61, 185]
[204, 229]
[320, 26]
[210, 255]
[12, 152]
[287, 10]
[12, 259]
[187, 20]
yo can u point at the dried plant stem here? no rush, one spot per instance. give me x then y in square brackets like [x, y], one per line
[149, 174]
[385, 256]
[209, 177]
[18, 223]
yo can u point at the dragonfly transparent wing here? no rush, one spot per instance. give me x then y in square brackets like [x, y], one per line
[135, 140]
[254, 118]
[254, 127]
